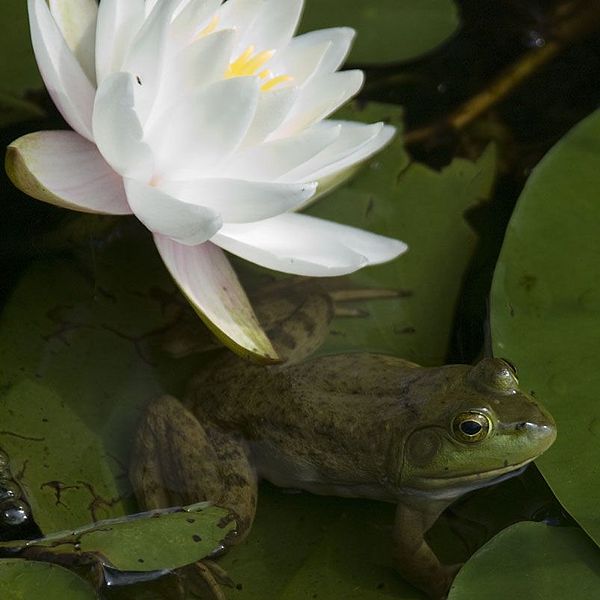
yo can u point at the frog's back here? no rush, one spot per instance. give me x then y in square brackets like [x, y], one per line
[326, 425]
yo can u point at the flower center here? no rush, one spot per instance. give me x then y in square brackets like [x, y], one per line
[249, 62]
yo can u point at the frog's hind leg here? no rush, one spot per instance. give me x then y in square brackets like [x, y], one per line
[178, 461]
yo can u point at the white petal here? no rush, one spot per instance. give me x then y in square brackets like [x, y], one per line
[301, 63]
[319, 98]
[117, 129]
[77, 22]
[272, 160]
[240, 201]
[68, 85]
[146, 55]
[206, 277]
[205, 128]
[273, 108]
[303, 245]
[62, 168]
[338, 39]
[356, 143]
[186, 223]
[118, 24]
[273, 26]
[192, 20]
[197, 65]
[239, 14]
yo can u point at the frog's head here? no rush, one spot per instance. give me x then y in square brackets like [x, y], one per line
[478, 428]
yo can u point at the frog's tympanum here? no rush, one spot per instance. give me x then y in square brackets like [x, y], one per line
[354, 425]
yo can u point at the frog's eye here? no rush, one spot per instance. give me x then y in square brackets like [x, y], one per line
[511, 366]
[471, 426]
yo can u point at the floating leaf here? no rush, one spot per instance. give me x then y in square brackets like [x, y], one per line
[533, 561]
[406, 200]
[27, 579]
[160, 539]
[388, 30]
[39, 433]
[79, 348]
[546, 311]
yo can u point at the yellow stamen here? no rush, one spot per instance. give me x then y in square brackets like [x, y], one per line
[247, 64]
[212, 25]
[269, 85]
[257, 62]
[236, 67]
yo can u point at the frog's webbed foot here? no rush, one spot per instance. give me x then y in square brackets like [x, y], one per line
[413, 558]
[177, 461]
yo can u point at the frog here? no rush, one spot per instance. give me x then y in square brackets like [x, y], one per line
[355, 425]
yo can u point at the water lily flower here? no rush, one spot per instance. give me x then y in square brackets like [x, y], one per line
[208, 122]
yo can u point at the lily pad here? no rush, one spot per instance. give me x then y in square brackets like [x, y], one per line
[26, 579]
[39, 433]
[79, 358]
[409, 201]
[388, 30]
[130, 543]
[533, 561]
[546, 311]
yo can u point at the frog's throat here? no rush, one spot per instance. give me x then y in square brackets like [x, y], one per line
[448, 486]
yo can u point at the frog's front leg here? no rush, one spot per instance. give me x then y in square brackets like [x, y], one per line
[178, 461]
[413, 558]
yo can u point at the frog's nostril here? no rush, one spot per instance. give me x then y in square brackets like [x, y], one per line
[523, 425]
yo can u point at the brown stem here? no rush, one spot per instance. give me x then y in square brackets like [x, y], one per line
[574, 20]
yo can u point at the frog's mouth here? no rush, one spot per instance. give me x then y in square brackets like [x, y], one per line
[457, 485]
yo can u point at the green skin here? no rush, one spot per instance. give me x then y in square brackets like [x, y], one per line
[355, 425]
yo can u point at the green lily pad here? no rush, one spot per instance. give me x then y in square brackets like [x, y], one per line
[79, 357]
[406, 200]
[39, 433]
[546, 311]
[533, 561]
[27, 579]
[131, 543]
[388, 30]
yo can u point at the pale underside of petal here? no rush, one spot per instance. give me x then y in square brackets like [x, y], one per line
[65, 80]
[272, 160]
[204, 129]
[77, 22]
[271, 111]
[65, 169]
[355, 144]
[339, 40]
[303, 245]
[321, 96]
[239, 201]
[199, 64]
[186, 223]
[118, 24]
[205, 276]
[117, 129]
[274, 25]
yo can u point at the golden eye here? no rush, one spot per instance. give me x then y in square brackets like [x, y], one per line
[471, 426]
